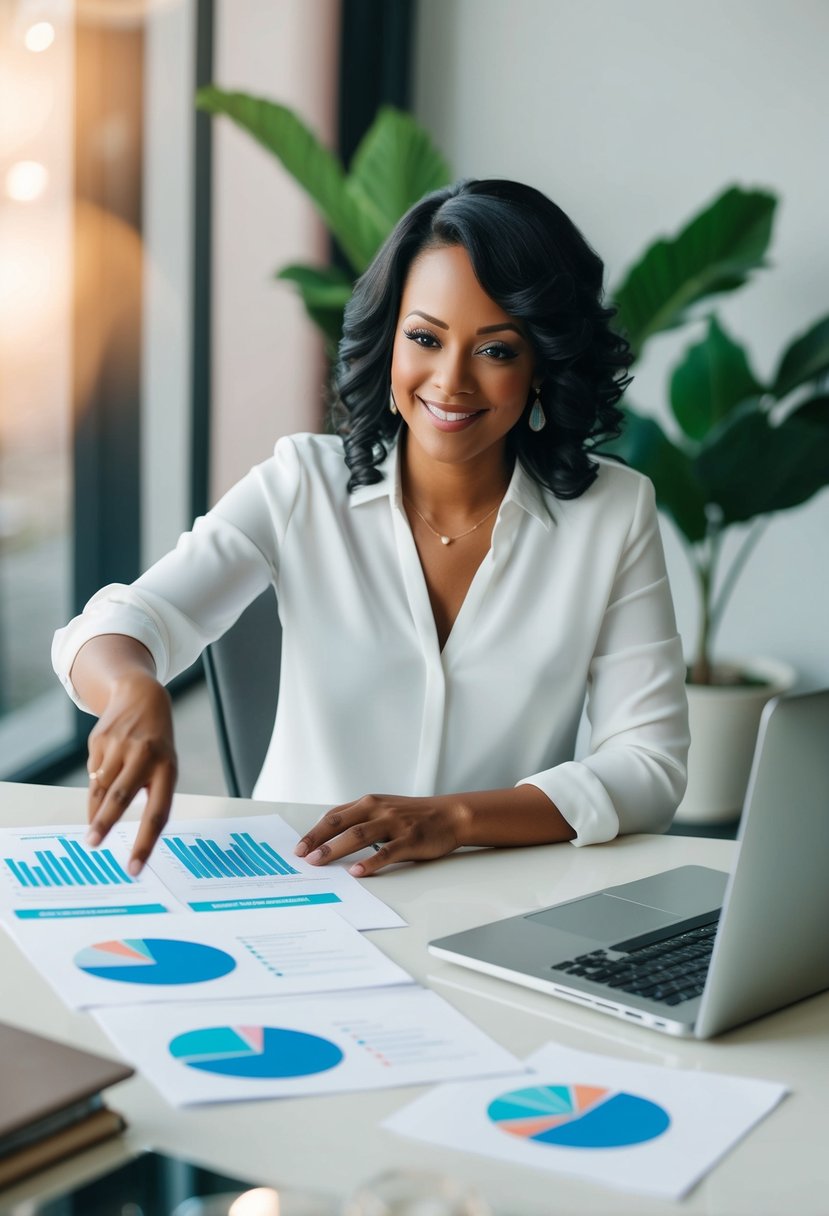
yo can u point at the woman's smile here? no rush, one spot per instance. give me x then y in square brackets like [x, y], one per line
[446, 419]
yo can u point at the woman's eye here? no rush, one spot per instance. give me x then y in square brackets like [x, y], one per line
[499, 350]
[421, 336]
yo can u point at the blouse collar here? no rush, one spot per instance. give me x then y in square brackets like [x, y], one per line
[523, 491]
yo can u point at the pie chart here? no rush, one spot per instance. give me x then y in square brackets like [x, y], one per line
[255, 1051]
[154, 960]
[578, 1116]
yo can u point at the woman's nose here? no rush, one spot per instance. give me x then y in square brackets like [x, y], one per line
[453, 374]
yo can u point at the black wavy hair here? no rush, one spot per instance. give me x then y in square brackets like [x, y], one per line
[532, 260]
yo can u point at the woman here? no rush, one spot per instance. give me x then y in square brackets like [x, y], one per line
[447, 604]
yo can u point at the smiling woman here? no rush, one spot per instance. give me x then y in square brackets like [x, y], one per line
[469, 372]
[450, 591]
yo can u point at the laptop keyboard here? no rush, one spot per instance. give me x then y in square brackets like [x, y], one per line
[671, 971]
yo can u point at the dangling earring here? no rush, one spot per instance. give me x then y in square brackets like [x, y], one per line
[392, 403]
[538, 419]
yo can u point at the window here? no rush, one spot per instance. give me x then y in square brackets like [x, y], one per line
[98, 362]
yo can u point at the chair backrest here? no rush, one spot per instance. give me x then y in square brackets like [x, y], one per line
[242, 670]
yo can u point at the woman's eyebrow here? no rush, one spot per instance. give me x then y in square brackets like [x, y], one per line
[494, 329]
[485, 329]
[432, 320]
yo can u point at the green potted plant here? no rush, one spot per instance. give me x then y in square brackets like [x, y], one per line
[740, 451]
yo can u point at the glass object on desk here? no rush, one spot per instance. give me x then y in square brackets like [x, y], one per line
[415, 1193]
[259, 1201]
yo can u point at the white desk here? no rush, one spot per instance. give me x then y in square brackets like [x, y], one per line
[336, 1142]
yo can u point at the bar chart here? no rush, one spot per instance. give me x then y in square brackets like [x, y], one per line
[246, 857]
[75, 866]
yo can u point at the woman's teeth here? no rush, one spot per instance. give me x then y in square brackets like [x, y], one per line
[447, 416]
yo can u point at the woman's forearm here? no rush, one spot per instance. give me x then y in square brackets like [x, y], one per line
[102, 662]
[520, 815]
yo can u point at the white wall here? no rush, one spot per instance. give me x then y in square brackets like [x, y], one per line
[631, 116]
[268, 371]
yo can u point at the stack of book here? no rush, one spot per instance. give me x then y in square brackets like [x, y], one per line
[50, 1102]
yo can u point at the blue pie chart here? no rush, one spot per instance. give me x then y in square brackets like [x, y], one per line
[255, 1051]
[154, 960]
[578, 1116]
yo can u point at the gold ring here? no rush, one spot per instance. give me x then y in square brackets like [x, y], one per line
[96, 776]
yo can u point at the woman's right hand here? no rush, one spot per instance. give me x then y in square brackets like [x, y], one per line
[131, 748]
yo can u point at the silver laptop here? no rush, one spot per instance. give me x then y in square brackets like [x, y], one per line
[693, 951]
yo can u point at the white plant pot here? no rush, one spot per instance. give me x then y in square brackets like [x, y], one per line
[724, 721]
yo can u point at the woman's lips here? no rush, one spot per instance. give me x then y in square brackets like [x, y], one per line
[449, 420]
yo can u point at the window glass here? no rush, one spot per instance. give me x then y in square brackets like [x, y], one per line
[96, 219]
[36, 477]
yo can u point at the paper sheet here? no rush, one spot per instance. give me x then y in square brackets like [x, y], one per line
[48, 873]
[233, 1051]
[211, 865]
[110, 961]
[622, 1124]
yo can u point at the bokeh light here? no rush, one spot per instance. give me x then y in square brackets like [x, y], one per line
[26, 181]
[39, 37]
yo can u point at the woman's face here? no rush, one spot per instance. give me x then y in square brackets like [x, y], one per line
[462, 368]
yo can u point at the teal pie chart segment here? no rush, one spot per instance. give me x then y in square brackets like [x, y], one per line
[256, 1052]
[578, 1116]
[154, 960]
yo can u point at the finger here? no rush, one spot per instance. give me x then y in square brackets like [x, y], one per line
[388, 854]
[100, 784]
[154, 819]
[360, 836]
[331, 824]
[119, 788]
[95, 769]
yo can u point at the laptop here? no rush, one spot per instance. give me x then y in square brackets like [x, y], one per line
[695, 951]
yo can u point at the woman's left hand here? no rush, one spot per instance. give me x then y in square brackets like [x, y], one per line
[405, 829]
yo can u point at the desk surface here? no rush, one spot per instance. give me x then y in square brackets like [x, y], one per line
[334, 1143]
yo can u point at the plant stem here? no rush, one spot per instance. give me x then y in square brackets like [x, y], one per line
[736, 569]
[701, 668]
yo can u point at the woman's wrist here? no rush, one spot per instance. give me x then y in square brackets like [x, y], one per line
[520, 815]
[104, 662]
[135, 679]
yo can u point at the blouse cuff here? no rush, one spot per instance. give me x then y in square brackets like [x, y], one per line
[581, 799]
[115, 618]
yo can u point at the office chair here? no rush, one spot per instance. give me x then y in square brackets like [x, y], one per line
[242, 670]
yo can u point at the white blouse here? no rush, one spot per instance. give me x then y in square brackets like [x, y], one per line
[571, 597]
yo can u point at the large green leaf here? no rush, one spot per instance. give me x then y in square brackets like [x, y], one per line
[713, 377]
[645, 446]
[394, 166]
[714, 253]
[752, 467]
[805, 359]
[316, 169]
[325, 291]
[326, 285]
[814, 412]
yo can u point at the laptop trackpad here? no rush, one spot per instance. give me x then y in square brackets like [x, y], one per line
[604, 918]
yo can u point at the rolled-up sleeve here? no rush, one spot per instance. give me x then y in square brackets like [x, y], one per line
[634, 775]
[196, 592]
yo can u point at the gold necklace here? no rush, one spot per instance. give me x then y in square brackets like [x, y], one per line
[447, 540]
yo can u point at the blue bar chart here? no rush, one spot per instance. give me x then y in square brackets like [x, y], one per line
[74, 867]
[246, 857]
